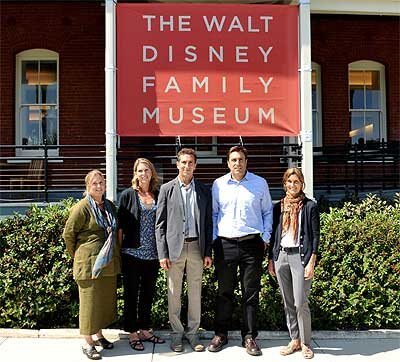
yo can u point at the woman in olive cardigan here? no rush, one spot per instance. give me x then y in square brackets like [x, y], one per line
[90, 236]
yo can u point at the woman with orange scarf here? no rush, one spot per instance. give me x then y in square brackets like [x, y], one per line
[293, 253]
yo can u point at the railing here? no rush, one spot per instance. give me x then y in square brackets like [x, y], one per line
[49, 177]
[357, 168]
[46, 175]
[267, 159]
[57, 172]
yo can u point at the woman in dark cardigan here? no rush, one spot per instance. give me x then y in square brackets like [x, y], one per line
[136, 214]
[293, 253]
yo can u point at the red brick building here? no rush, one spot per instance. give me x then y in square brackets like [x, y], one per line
[52, 91]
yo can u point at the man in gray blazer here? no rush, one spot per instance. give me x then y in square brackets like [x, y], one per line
[184, 236]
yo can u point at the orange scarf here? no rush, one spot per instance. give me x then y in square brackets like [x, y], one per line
[290, 208]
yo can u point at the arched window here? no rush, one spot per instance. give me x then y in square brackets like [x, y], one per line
[367, 102]
[36, 100]
[316, 104]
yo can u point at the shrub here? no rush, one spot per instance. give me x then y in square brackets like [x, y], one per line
[36, 286]
[357, 281]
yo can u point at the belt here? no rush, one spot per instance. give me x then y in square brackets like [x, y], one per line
[242, 238]
[189, 240]
[294, 249]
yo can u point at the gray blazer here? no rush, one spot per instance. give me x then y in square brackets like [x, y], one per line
[170, 215]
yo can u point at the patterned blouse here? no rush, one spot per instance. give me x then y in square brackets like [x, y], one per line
[147, 249]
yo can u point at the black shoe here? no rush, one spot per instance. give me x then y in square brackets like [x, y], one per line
[217, 343]
[251, 347]
[91, 352]
[102, 342]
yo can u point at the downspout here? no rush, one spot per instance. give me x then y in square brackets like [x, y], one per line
[305, 97]
[110, 101]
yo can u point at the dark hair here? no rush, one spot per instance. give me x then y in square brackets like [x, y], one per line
[237, 149]
[187, 151]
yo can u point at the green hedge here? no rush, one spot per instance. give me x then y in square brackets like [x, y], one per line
[36, 286]
[356, 284]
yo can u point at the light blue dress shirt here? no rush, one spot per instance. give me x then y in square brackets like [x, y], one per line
[241, 207]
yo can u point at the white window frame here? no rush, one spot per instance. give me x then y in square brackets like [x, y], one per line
[318, 131]
[38, 55]
[374, 66]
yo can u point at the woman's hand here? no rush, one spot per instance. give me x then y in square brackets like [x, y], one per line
[165, 263]
[309, 269]
[271, 267]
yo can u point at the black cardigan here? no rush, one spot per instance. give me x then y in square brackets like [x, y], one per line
[129, 217]
[309, 231]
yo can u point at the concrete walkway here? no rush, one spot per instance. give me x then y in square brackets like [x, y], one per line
[61, 345]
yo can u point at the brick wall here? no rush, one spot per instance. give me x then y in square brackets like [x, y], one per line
[76, 32]
[338, 40]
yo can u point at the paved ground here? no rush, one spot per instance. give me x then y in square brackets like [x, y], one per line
[63, 345]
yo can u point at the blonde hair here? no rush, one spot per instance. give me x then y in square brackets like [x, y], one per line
[154, 176]
[293, 171]
[89, 177]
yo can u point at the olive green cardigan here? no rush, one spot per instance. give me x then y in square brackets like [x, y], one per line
[84, 240]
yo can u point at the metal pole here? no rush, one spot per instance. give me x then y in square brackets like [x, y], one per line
[305, 96]
[110, 69]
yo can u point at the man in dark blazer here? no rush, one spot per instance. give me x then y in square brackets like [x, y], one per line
[184, 236]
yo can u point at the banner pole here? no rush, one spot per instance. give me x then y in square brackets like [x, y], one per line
[305, 97]
[110, 84]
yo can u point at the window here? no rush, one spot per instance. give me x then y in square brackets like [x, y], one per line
[316, 104]
[204, 147]
[36, 100]
[367, 102]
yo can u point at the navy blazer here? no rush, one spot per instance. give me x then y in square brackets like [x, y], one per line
[309, 231]
[129, 217]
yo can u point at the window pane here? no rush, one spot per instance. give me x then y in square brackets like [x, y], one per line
[372, 126]
[36, 122]
[372, 90]
[315, 127]
[204, 143]
[357, 127]
[48, 81]
[49, 121]
[356, 89]
[189, 141]
[29, 82]
[31, 125]
[314, 89]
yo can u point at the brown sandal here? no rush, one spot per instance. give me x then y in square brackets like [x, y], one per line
[289, 349]
[307, 352]
[153, 338]
[136, 344]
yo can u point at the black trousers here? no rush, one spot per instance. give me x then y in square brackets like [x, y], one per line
[139, 280]
[247, 256]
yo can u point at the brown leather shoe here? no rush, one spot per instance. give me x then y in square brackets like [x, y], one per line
[251, 347]
[217, 343]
